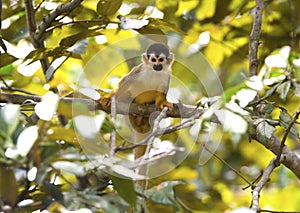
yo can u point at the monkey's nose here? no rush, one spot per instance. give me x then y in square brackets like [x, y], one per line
[157, 67]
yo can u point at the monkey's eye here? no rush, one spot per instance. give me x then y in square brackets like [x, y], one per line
[161, 59]
[153, 59]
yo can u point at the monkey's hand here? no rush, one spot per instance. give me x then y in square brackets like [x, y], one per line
[162, 102]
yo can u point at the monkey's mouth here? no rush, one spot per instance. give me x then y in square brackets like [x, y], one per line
[157, 67]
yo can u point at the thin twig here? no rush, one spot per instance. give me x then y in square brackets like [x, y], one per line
[227, 164]
[113, 139]
[104, 21]
[13, 89]
[287, 131]
[254, 38]
[253, 182]
[32, 26]
[47, 21]
[148, 160]
[271, 211]
[261, 183]
[294, 26]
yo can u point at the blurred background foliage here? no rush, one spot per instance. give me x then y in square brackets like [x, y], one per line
[43, 165]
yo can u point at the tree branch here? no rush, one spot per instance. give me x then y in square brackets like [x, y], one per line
[261, 183]
[286, 135]
[178, 111]
[37, 32]
[37, 43]
[289, 158]
[254, 38]
[47, 21]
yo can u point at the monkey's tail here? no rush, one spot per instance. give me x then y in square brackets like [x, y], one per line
[142, 126]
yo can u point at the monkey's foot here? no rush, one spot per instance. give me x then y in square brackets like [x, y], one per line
[166, 104]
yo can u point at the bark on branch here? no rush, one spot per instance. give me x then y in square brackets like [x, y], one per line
[254, 38]
[179, 110]
[37, 31]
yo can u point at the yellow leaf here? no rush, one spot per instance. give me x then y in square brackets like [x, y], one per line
[183, 173]
[61, 133]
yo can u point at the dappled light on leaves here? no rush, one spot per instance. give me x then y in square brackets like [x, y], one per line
[230, 143]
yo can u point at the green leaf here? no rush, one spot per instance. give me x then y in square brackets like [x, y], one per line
[125, 188]
[9, 118]
[71, 167]
[285, 116]
[54, 66]
[7, 70]
[108, 7]
[283, 89]
[264, 130]
[6, 59]
[71, 40]
[163, 194]
[233, 90]
[285, 120]
[54, 191]
[167, 6]
[8, 185]
[164, 25]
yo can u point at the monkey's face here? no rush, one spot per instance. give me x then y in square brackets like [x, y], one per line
[157, 61]
[158, 57]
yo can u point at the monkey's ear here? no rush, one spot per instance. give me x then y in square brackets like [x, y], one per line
[171, 58]
[144, 58]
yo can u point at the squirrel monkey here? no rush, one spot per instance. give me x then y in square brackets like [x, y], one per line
[145, 84]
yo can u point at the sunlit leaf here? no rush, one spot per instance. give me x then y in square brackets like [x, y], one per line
[9, 118]
[255, 82]
[183, 173]
[108, 7]
[71, 167]
[71, 40]
[279, 60]
[232, 91]
[89, 126]
[54, 66]
[226, 117]
[91, 93]
[169, 7]
[26, 140]
[47, 107]
[283, 89]
[245, 96]
[164, 25]
[127, 23]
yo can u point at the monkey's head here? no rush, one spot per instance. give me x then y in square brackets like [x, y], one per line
[158, 56]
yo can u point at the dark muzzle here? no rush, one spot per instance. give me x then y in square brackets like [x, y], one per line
[157, 67]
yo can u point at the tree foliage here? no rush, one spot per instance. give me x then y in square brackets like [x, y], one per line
[238, 148]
